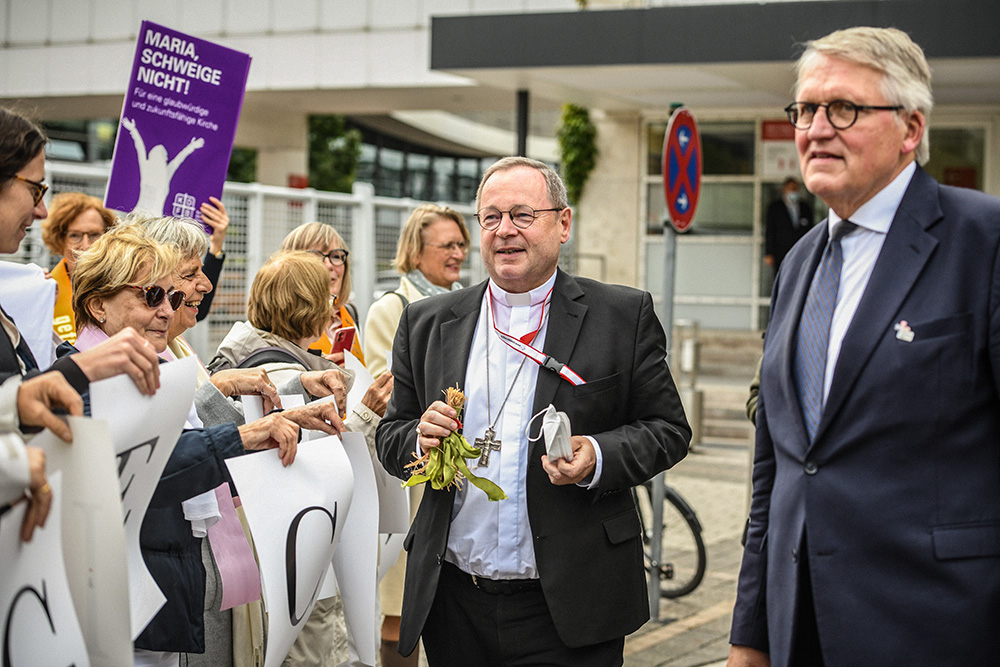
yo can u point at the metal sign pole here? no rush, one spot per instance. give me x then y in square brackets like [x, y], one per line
[657, 493]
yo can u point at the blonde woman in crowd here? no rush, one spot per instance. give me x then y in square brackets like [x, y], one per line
[125, 281]
[287, 311]
[324, 242]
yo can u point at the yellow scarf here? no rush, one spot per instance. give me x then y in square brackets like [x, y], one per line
[63, 320]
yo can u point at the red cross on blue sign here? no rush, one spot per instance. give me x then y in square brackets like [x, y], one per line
[682, 168]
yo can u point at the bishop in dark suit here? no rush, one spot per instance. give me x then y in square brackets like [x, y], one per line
[552, 574]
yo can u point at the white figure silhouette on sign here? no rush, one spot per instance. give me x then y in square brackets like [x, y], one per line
[155, 172]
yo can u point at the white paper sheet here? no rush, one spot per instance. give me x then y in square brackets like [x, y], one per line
[362, 380]
[38, 624]
[296, 515]
[356, 560]
[144, 430]
[30, 299]
[394, 504]
[94, 536]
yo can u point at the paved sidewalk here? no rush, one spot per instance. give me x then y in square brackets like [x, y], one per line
[693, 631]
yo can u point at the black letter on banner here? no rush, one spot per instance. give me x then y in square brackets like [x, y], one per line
[290, 574]
[44, 599]
[123, 462]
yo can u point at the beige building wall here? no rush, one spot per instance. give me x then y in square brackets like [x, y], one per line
[607, 218]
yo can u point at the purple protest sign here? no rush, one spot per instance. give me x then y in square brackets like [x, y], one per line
[178, 123]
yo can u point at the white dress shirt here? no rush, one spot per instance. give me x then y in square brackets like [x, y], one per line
[861, 250]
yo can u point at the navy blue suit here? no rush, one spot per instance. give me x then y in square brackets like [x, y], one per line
[899, 494]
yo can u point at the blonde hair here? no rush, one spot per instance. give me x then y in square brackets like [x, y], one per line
[317, 234]
[290, 295]
[411, 238]
[121, 257]
[906, 76]
[64, 209]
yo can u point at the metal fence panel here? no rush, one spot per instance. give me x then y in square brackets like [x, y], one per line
[260, 217]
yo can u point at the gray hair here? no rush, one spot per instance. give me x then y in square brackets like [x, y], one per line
[906, 76]
[184, 234]
[553, 182]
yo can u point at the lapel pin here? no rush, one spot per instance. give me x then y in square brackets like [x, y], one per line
[903, 332]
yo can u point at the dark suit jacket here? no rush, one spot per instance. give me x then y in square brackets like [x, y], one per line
[780, 234]
[9, 363]
[899, 494]
[587, 543]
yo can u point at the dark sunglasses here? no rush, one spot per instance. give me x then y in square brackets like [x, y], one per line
[155, 294]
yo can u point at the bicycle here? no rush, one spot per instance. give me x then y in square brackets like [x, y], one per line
[682, 557]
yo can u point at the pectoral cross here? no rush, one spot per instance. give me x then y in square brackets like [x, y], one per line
[487, 444]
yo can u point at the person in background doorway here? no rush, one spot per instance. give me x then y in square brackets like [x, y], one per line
[788, 219]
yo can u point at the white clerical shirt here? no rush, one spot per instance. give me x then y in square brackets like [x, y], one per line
[493, 539]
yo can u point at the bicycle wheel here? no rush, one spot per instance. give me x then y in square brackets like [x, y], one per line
[682, 557]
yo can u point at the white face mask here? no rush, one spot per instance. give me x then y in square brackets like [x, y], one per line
[556, 431]
[793, 197]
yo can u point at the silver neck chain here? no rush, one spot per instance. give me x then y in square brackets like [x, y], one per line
[489, 413]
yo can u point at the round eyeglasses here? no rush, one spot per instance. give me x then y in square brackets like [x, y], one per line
[336, 257]
[155, 294]
[521, 215]
[38, 189]
[842, 114]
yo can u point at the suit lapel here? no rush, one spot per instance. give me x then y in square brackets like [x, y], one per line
[907, 248]
[566, 315]
[783, 340]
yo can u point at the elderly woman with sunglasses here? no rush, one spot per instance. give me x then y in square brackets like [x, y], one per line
[125, 281]
[215, 405]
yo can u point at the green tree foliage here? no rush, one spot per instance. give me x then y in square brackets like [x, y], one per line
[242, 165]
[577, 147]
[334, 153]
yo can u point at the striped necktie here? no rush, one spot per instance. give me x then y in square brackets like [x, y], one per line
[813, 339]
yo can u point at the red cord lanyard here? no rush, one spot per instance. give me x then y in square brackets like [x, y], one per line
[523, 344]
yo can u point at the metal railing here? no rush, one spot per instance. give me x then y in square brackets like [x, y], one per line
[260, 217]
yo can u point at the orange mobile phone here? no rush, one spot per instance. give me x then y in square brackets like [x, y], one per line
[343, 339]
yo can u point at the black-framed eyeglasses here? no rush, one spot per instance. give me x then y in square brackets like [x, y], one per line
[155, 294]
[337, 257]
[842, 114]
[451, 247]
[521, 215]
[38, 189]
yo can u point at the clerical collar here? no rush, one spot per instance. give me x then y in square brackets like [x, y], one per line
[533, 297]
